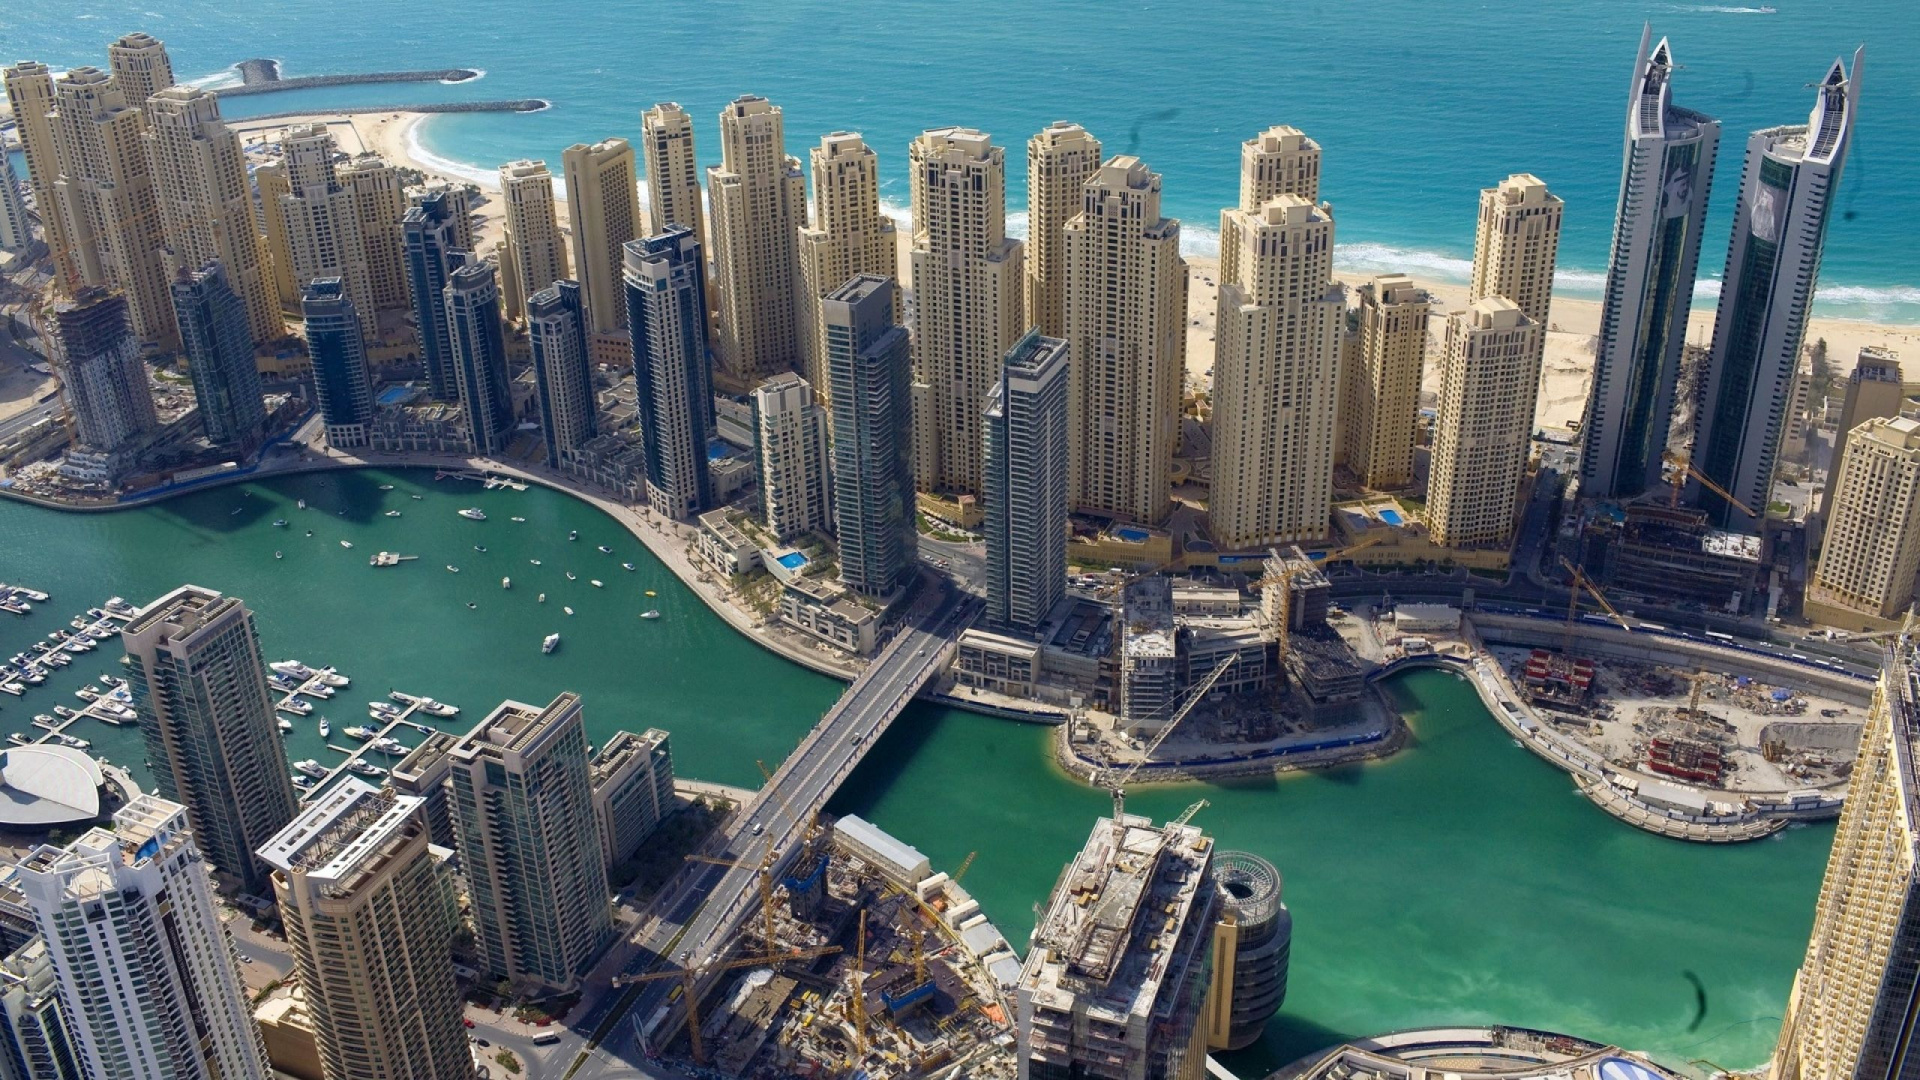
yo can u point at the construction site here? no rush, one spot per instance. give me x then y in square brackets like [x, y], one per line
[861, 961]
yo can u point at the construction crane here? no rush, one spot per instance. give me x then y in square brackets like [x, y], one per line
[765, 869]
[1187, 814]
[1683, 468]
[1118, 787]
[1581, 581]
[1697, 677]
[965, 865]
[1289, 570]
[689, 978]
[858, 977]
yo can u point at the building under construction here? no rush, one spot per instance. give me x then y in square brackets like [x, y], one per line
[1251, 949]
[1558, 679]
[1667, 551]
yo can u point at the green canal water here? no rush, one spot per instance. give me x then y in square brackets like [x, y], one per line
[1461, 881]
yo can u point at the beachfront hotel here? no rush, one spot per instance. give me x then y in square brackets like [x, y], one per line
[536, 251]
[666, 290]
[759, 198]
[1059, 160]
[673, 176]
[849, 236]
[968, 296]
[1772, 270]
[1276, 368]
[1865, 576]
[206, 205]
[321, 221]
[1489, 382]
[1664, 180]
[1850, 1012]
[870, 375]
[562, 369]
[1126, 319]
[370, 917]
[338, 356]
[1389, 360]
[1024, 451]
[603, 208]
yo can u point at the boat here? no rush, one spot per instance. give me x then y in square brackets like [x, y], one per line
[279, 523]
[570, 576]
[437, 708]
[650, 592]
[236, 510]
[626, 566]
[386, 487]
[18, 739]
[597, 583]
[382, 712]
[605, 550]
[285, 724]
[333, 678]
[319, 690]
[452, 569]
[481, 548]
[309, 532]
[45, 721]
[568, 610]
[388, 746]
[75, 742]
[302, 504]
[535, 562]
[296, 707]
[326, 729]
[393, 513]
[471, 606]
[311, 768]
[112, 680]
[506, 583]
[365, 768]
[650, 614]
[416, 498]
[474, 513]
[519, 519]
[543, 598]
[277, 555]
[346, 543]
[304, 781]
[62, 710]
[573, 534]
[551, 643]
[292, 667]
[357, 731]
[87, 693]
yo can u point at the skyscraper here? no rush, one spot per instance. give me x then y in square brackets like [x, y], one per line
[969, 295]
[15, 232]
[140, 68]
[758, 201]
[539, 253]
[1059, 160]
[791, 448]
[1389, 359]
[1850, 1013]
[1482, 436]
[270, 179]
[870, 373]
[1024, 431]
[673, 175]
[105, 190]
[339, 359]
[1276, 372]
[206, 205]
[1866, 570]
[219, 349]
[34, 1044]
[322, 221]
[479, 354]
[849, 236]
[1773, 269]
[29, 86]
[1664, 180]
[1126, 322]
[145, 968]
[1279, 161]
[522, 804]
[101, 374]
[370, 918]
[200, 687]
[1515, 245]
[672, 380]
[429, 230]
[459, 207]
[603, 208]
[562, 370]
[1874, 389]
[379, 202]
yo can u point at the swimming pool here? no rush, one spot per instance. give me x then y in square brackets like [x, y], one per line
[1391, 517]
[396, 395]
[1131, 535]
[792, 560]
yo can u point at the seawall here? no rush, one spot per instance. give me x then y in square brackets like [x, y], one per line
[263, 77]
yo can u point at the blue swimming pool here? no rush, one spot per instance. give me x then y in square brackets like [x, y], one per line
[1391, 517]
[396, 395]
[1131, 535]
[792, 560]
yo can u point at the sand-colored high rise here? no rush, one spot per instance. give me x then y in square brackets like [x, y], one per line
[322, 221]
[970, 296]
[673, 173]
[1866, 570]
[1850, 1012]
[1059, 160]
[140, 68]
[379, 201]
[1388, 363]
[1126, 320]
[849, 236]
[270, 177]
[1515, 245]
[603, 208]
[758, 201]
[1482, 436]
[105, 190]
[29, 86]
[206, 208]
[538, 252]
[1279, 161]
[1276, 370]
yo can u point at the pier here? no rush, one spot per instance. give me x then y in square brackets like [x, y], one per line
[491, 480]
[110, 705]
[263, 77]
[19, 599]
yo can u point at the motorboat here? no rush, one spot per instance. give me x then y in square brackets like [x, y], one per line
[650, 614]
[568, 610]
[304, 781]
[18, 739]
[543, 598]
[471, 606]
[360, 732]
[326, 729]
[416, 498]
[302, 504]
[626, 566]
[650, 592]
[506, 583]
[481, 548]
[75, 742]
[285, 725]
[597, 583]
[296, 707]
[521, 520]
[311, 768]
[535, 562]
[279, 523]
[386, 487]
[388, 745]
[551, 643]
[319, 690]
[333, 678]
[393, 513]
[382, 712]
[573, 534]
[346, 543]
[87, 693]
[605, 550]
[437, 708]
[452, 569]
[570, 576]
[112, 680]
[292, 667]
[474, 513]
[277, 555]
[365, 768]
[284, 682]
[62, 710]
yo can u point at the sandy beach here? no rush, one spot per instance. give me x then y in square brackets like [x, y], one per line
[1566, 372]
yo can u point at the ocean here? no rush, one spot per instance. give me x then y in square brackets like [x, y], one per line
[1417, 105]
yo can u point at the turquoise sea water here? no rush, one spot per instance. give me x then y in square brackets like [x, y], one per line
[1418, 105]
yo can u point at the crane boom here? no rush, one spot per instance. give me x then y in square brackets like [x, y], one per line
[1118, 787]
[1683, 468]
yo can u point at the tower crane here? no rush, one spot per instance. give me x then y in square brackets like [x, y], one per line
[689, 980]
[1289, 570]
[1683, 468]
[1581, 581]
[1118, 787]
[765, 869]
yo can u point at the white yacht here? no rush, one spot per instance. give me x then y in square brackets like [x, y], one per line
[388, 746]
[506, 583]
[333, 678]
[311, 768]
[650, 614]
[326, 729]
[605, 550]
[346, 543]
[597, 583]
[543, 598]
[520, 519]
[474, 513]
[551, 643]
[358, 732]
[393, 513]
[292, 667]
[365, 768]
[568, 610]
[452, 569]
[295, 706]
[285, 724]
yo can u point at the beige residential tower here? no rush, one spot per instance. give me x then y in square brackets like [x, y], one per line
[1059, 161]
[1482, 436]
[1389, 357]
[759, 201]
[603, 208]
[849, 236]
[536, 253]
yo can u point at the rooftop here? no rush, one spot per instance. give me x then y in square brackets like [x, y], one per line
[620, 749]
[514, 727]
[45, 785]
[341, 834]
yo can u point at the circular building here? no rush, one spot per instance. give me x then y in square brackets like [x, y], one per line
[46, 786]
[1262, 939]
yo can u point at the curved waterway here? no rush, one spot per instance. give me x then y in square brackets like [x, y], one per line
[1463, 880]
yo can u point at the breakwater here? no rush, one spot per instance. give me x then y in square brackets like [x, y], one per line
[263, 77]
[509, 105]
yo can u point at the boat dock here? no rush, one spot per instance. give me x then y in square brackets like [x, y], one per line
[62, 647]
[19, 599]
[390, 558]
[491, 480]
[403, 718]
[309, 688]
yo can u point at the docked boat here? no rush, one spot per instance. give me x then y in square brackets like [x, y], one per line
[605, 550]
[650, 614]
[292, 667]
[80, 645]
[333, 678]
[474, 513]
[311, 768]
[346, 543]
[18, 739]
[285, 725]
[437, 708]
[319, 690]
[326, 729]
[506, 583]
[365, 768]
[33, 676]
[388, 746]
[551, 643]
[43, 720]
[62, 710]
[357, 731]
[73, 741]
[296, 707]
[304, 781]
[87, 693]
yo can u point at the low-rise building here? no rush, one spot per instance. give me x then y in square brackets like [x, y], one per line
[632, 779]
[287, 1029]
[1326, 666]
[831, 612]
[1206, 644]
[996, 662]
[721, 544]
[1192, 598]
[895, 860]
